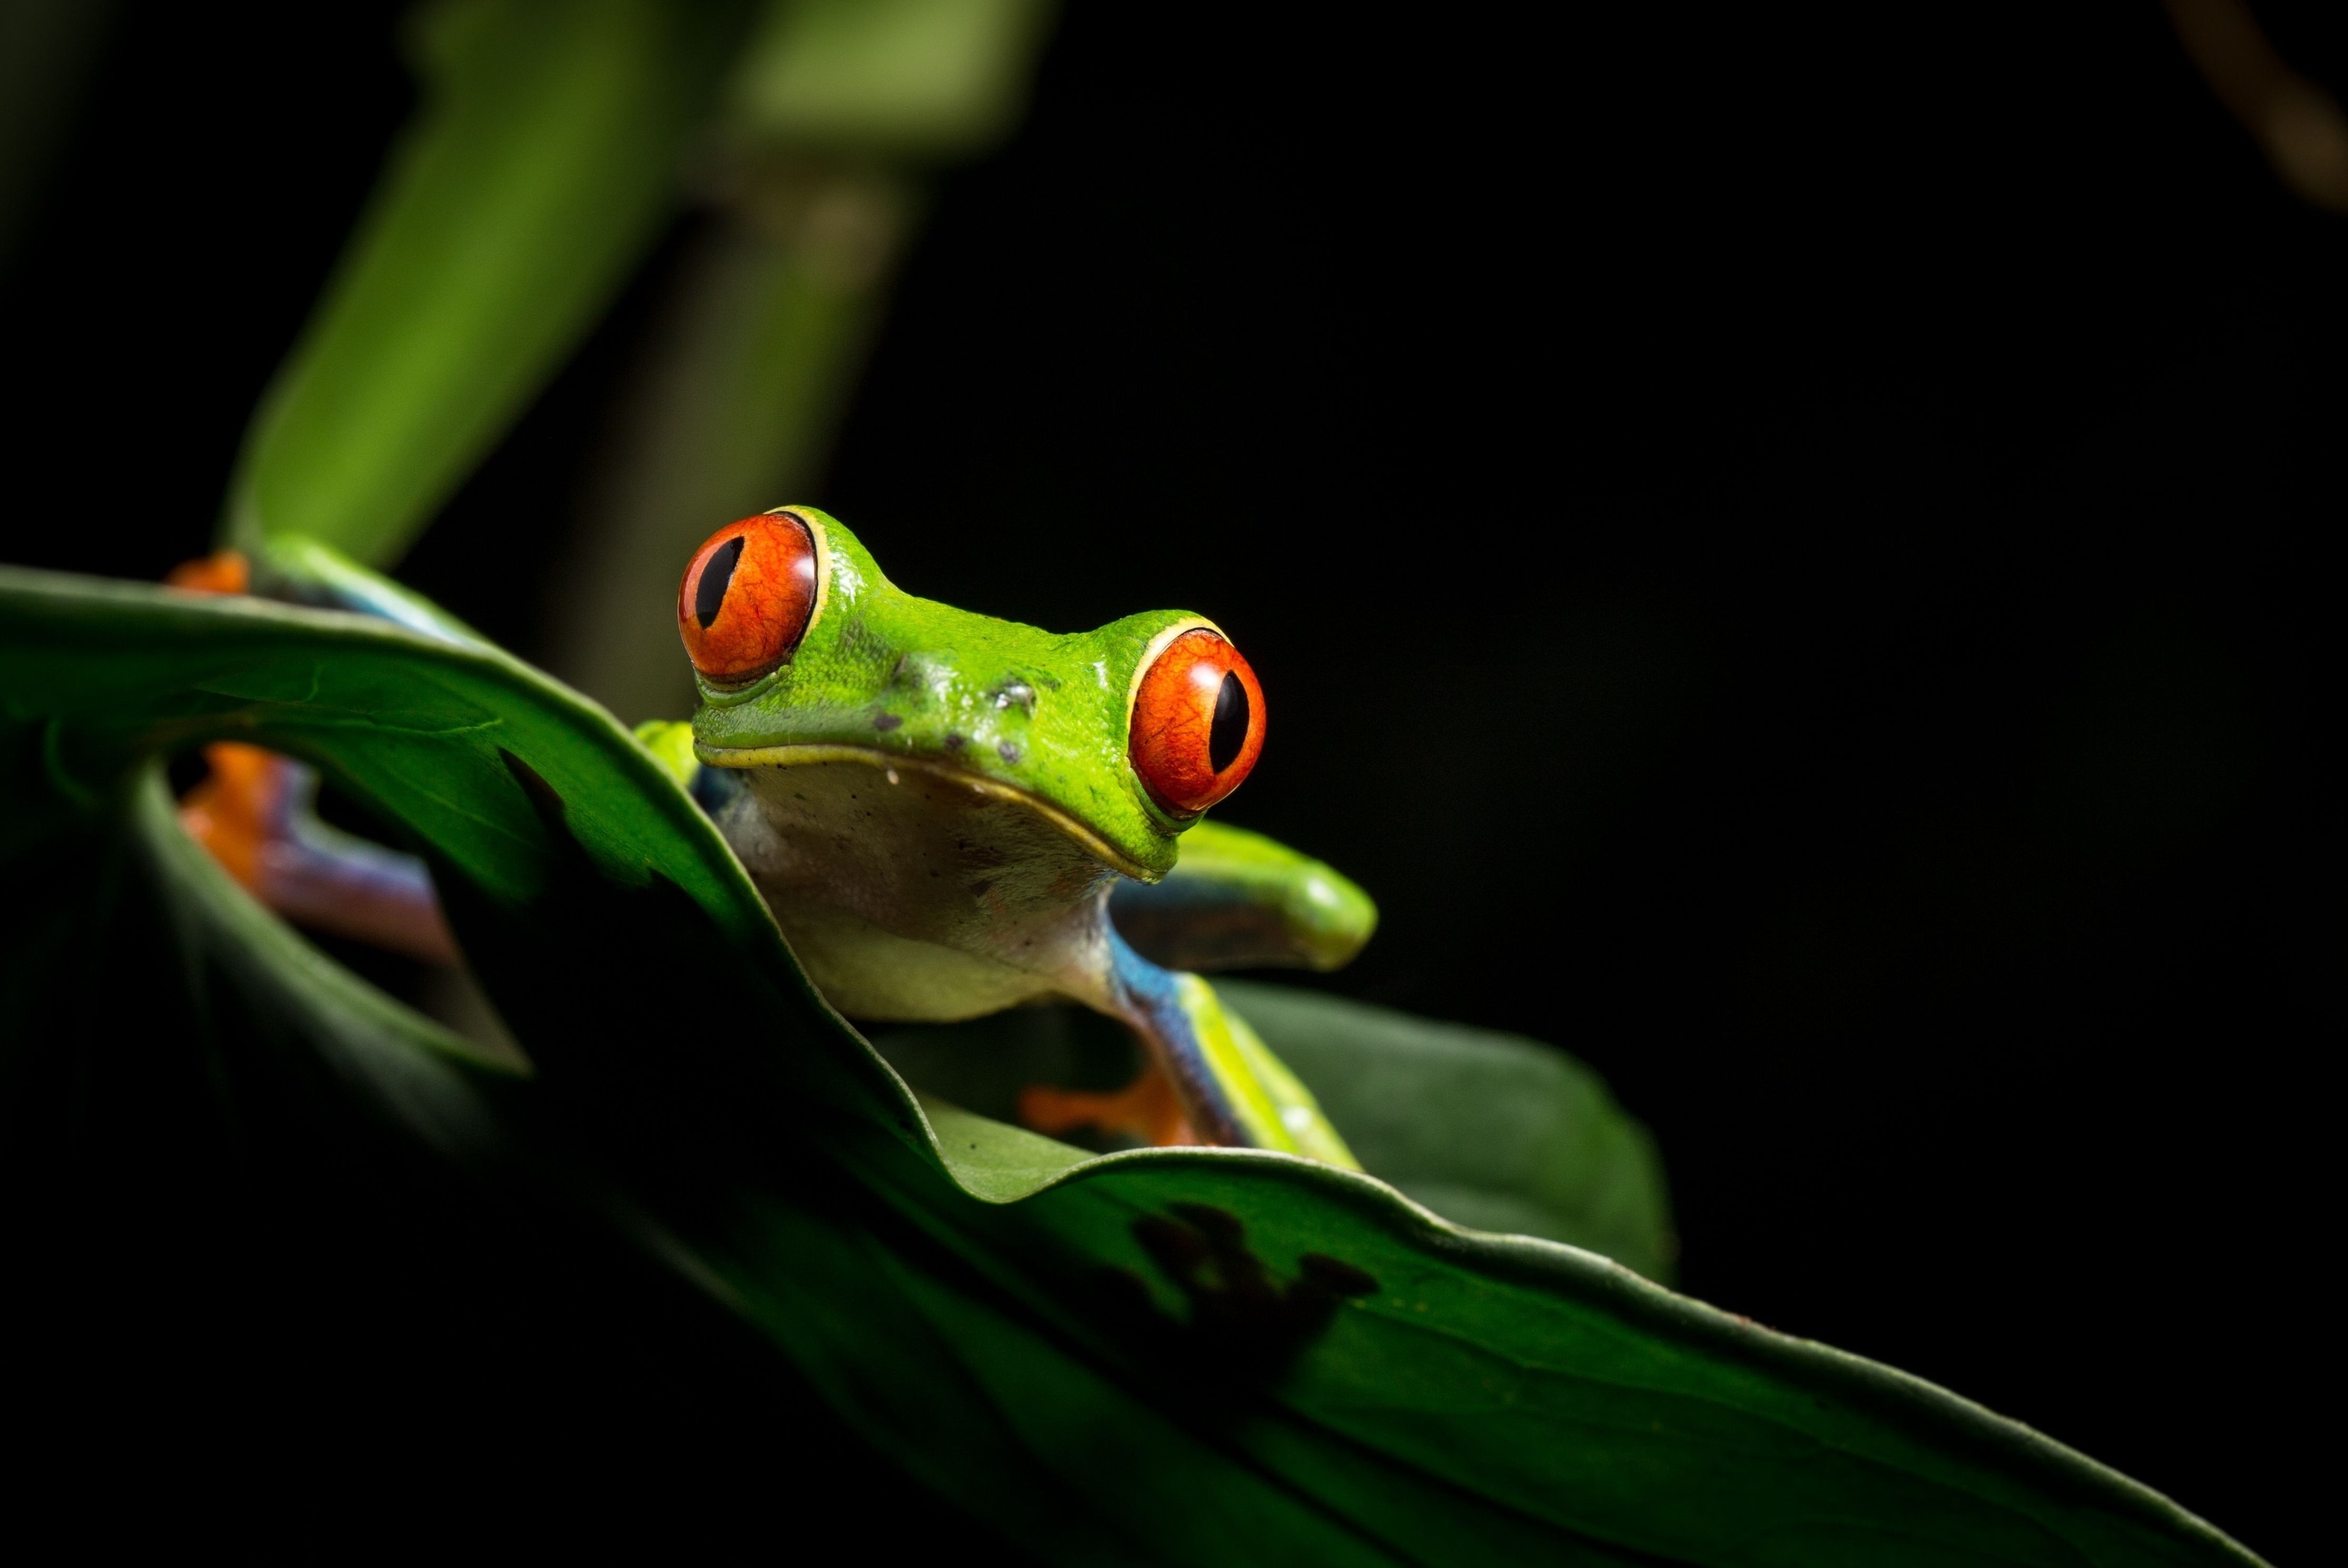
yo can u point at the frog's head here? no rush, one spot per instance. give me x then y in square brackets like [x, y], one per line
[806, 653]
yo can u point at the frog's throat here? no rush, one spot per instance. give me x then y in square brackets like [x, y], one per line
[1086, 837]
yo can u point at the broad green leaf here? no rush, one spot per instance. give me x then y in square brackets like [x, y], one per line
[544, 161]
[237, 1180]
[1162, 1356]
[64, 883]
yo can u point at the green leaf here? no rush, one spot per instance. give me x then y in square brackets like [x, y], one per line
[1162, 1356]
[201, 928]
[543, 162]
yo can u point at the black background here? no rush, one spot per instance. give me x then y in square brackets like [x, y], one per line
[1781, 550]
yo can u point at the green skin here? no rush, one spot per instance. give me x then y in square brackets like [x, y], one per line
[939, 806]
[939, 809]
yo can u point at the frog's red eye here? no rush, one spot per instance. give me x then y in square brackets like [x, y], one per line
[1198, 722]
[745, 600]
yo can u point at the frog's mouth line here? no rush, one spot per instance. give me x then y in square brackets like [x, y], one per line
[1084, 834]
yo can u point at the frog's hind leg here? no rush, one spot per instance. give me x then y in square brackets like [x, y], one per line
[253, 813]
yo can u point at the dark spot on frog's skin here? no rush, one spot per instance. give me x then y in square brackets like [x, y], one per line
[1049, 683]
[955, 743]
[1243, 1322]
[1007, 752]
[982, 889]
[884, 722]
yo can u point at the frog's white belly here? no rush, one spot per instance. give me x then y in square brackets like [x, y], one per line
[878, 976]
[911, 898]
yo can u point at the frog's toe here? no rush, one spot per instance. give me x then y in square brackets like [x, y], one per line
[1147, 1110]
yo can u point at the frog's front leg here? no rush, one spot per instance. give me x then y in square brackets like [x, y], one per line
[1236, 900]
[1209, 1080]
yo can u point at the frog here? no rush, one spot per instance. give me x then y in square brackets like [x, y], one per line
[951, 814]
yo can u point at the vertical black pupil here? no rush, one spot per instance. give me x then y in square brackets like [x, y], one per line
[1230, 734]
[718, 575]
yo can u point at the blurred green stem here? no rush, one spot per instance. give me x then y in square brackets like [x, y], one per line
[835, 114]
[543, 162]
[746, 381]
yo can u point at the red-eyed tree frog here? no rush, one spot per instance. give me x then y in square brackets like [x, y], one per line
[948, 815]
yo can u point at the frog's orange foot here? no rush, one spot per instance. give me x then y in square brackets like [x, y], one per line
[227, 572]
[250, 814]
[240, 808]
[1147, 1110]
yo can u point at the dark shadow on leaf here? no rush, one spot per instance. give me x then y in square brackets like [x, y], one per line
[1245, 1328]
